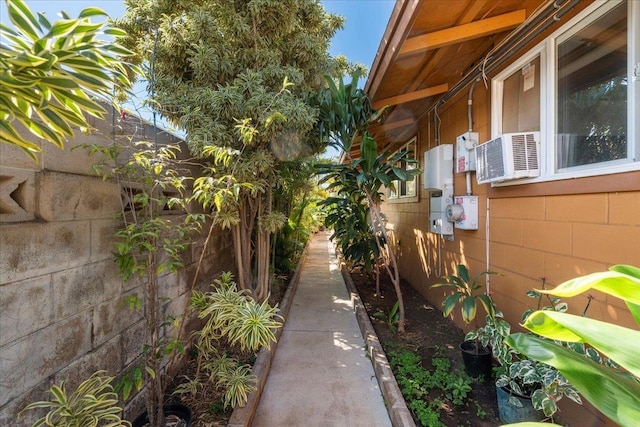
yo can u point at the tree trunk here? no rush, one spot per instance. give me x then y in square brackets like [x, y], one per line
[391, 263]
[155, 395]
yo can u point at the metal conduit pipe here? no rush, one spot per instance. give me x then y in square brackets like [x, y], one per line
[534, 26]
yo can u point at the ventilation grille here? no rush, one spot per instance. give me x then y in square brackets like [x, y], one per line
[525, 152]
[509, 156]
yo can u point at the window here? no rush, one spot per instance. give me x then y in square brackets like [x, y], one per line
[580, 89]
[591, 105]
[405, 189]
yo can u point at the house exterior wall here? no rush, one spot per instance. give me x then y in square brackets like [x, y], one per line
[536, 231]
[61, 313]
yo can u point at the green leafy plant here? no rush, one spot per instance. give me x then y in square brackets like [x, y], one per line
[92, 404]
[391, 318]
[233, 318]
[492, 335]
[612, 385]
[51, 71]
[150, 243]
[430, 392]
[345, 112]
[246, 114]
[466, 293]
[543, 383]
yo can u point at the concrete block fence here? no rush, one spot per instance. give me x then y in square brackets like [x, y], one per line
[61, 316]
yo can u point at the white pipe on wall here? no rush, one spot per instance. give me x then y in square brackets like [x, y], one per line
[487, 276]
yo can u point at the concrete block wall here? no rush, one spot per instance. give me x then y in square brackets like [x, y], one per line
[61, 316]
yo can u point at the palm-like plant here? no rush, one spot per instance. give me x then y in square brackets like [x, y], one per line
[50, 71]
[345, 112]
[92, 404]
[234, 316]
[466, 293]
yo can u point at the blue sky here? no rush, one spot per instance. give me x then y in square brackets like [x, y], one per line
[366, 21]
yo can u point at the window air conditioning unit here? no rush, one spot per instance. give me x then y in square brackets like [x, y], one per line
[509, 156]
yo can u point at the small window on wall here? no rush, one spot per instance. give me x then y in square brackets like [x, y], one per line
[405, 189]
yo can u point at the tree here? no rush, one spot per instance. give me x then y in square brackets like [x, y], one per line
[49, 73]
[236, 76]
[345, 112]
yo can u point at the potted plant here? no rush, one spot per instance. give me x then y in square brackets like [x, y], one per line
[92, 404]
[477, 357]
[527, 390]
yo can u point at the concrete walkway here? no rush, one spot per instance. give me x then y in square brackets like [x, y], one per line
[321, 375]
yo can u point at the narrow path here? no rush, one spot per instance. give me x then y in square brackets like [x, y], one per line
[321, 375]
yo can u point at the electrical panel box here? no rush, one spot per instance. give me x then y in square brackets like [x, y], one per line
[463, 212]
[465, 152]
[438, 167]
[438, 179]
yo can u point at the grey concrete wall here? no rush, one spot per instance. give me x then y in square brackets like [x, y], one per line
[61, 316]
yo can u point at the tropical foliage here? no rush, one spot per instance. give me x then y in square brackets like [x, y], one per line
[611, 383]
[233, 318]
[465, 293]
[92, 404]
[345, 113]
[150, 243]
[236, 75]
[50, 72]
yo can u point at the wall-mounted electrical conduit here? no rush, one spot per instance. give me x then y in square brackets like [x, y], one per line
[545, 16]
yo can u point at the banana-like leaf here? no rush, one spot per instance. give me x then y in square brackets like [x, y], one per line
[369, 150]
[614, 283]
[621, 281]
[620, 344]
[615, 394]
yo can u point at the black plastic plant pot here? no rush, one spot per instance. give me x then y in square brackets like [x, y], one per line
[477, 362]
[178, 410]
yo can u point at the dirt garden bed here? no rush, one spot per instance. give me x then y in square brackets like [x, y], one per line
[428, 334]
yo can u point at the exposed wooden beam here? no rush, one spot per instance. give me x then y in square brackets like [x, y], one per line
[475, 7]
[462, 33]
[411, 96]
[395, 125]
[402, 18]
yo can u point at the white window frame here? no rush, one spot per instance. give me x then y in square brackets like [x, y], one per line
[393, 196]
[548, 97]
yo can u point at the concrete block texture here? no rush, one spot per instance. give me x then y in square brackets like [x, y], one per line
[25, 307]
[33, 249]
[17, 194]
[113, 316]
[65, 197]
[77, 289]
[25, 362]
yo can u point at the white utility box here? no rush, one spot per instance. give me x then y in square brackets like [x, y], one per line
[438, 167]
[438, 179]
[465, 152]
[463, 212]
